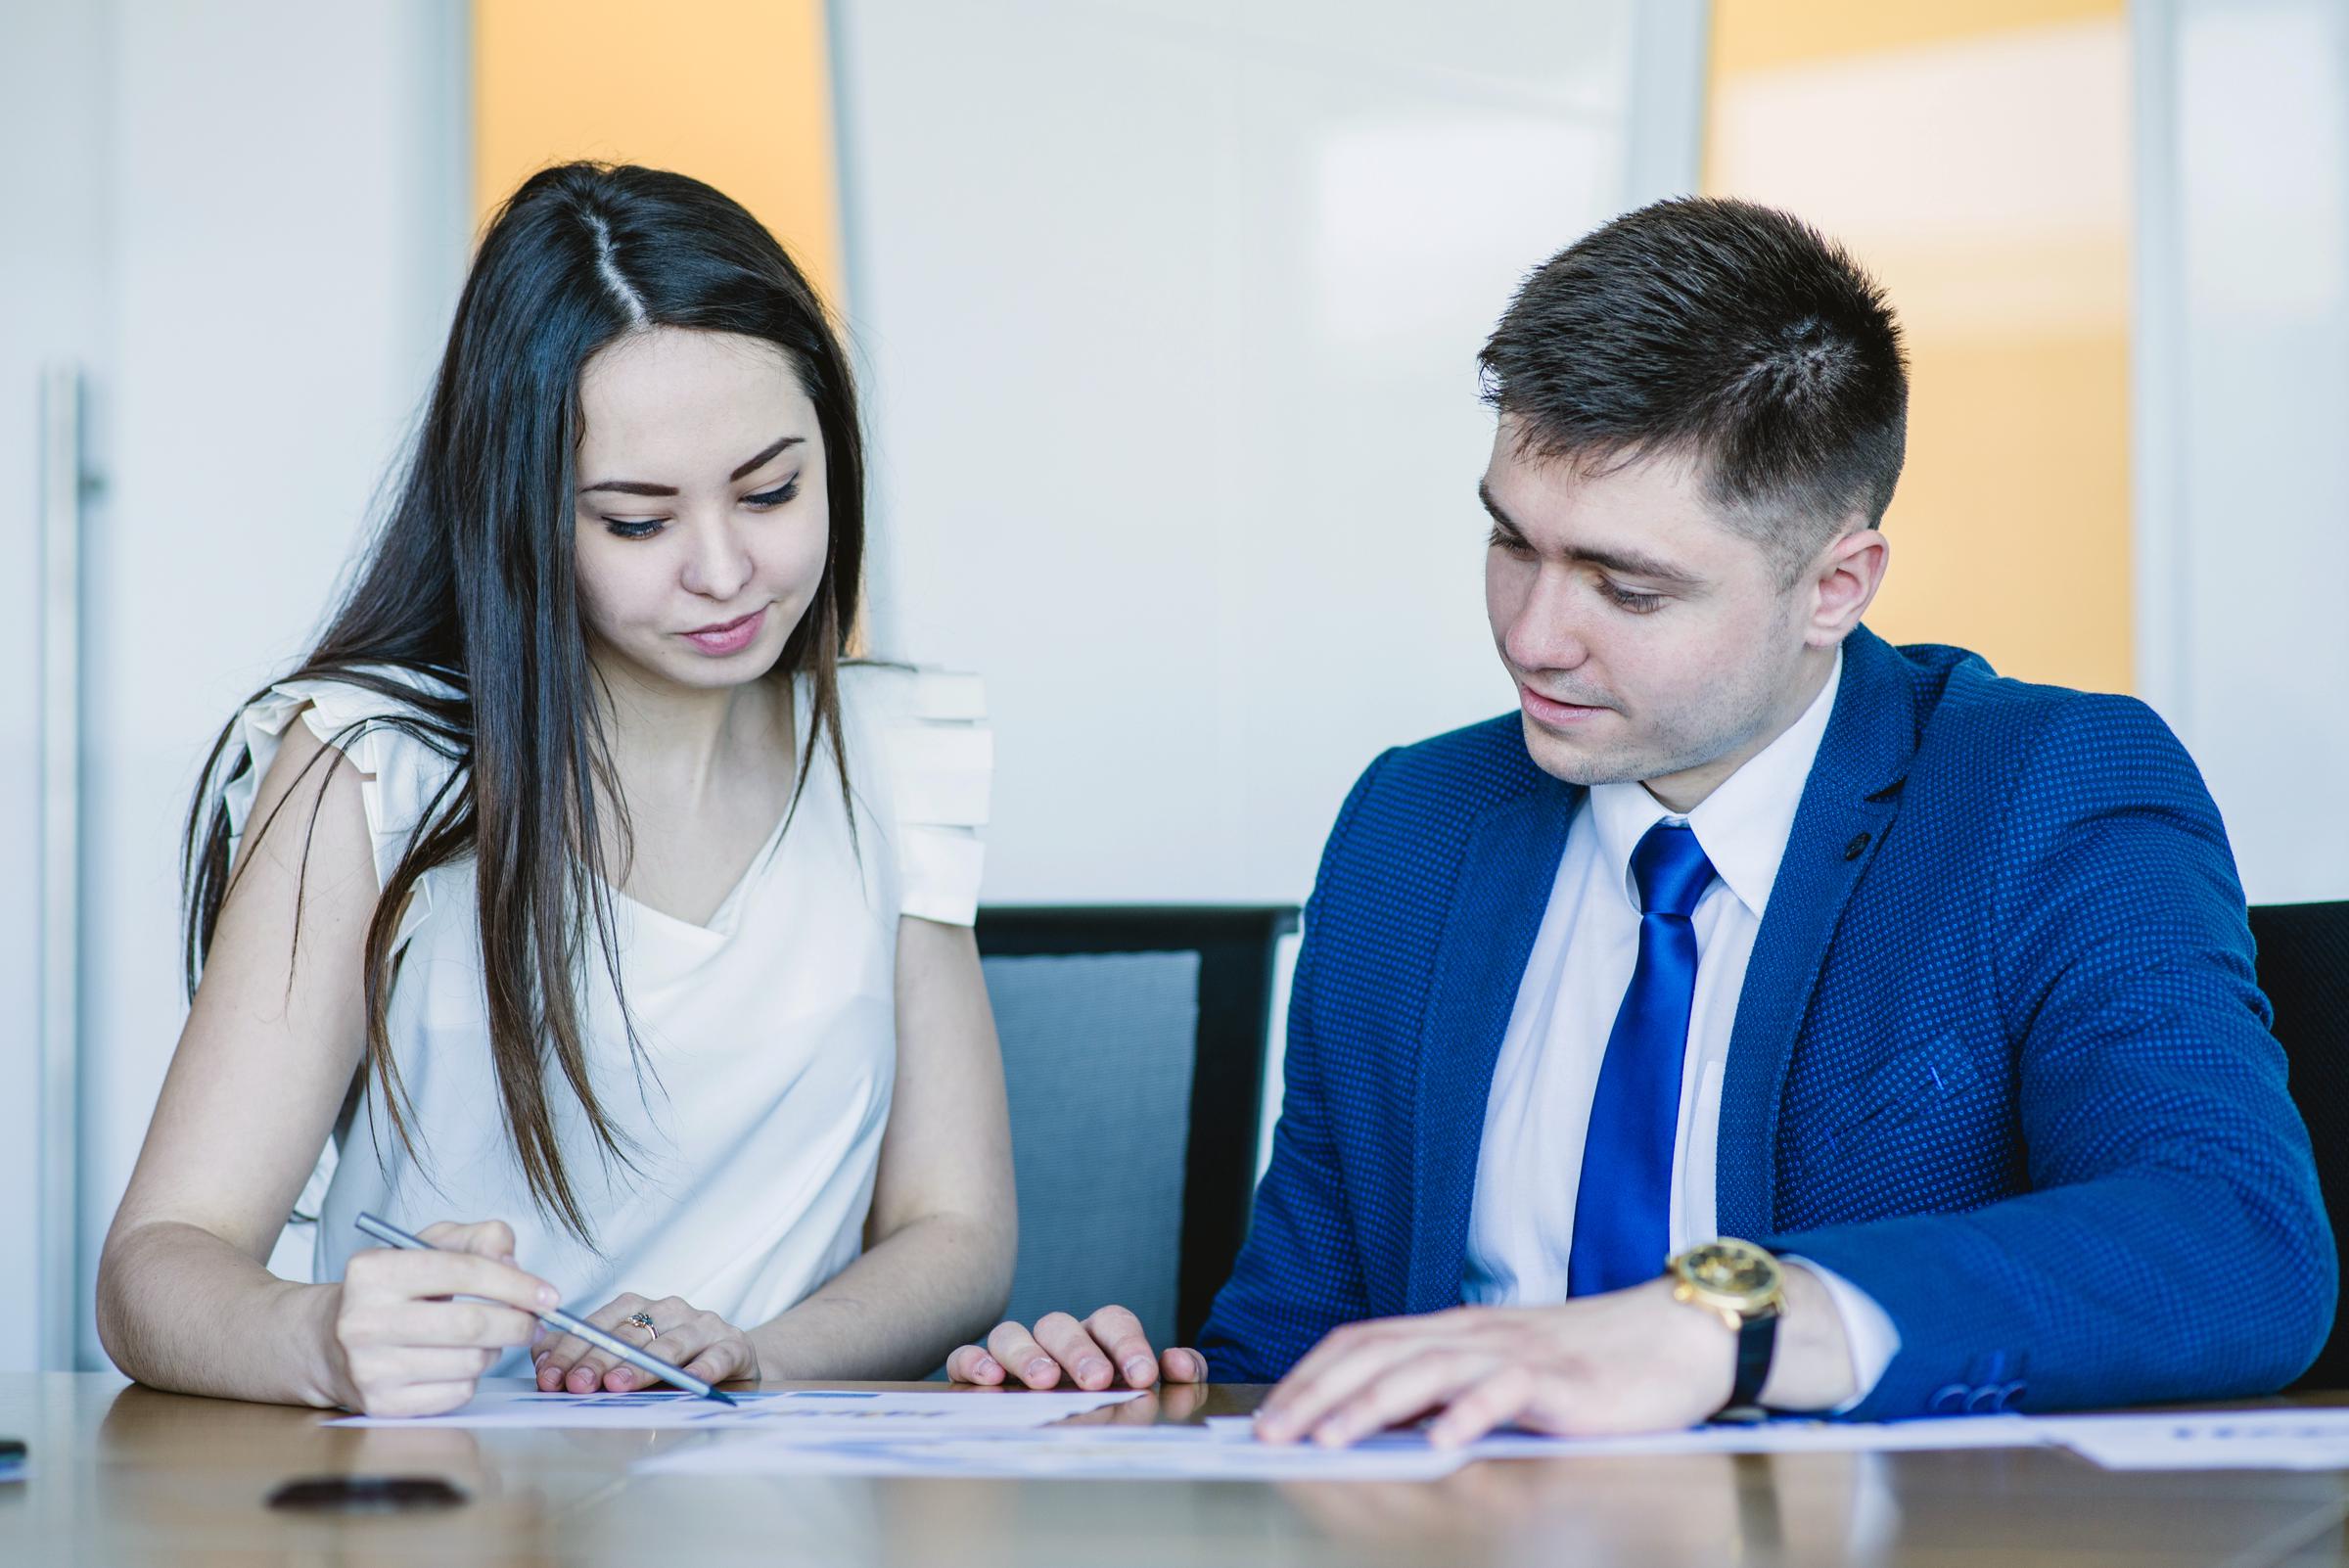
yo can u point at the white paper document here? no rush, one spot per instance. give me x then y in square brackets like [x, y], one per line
[2279, 1439]
[1783, 1437]
[1226, 1449]
[832, 1416]
[1761, 1437]
[1013, 1435]
[1078, 1453]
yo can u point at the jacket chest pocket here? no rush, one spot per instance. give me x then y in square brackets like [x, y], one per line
[1908, 1088]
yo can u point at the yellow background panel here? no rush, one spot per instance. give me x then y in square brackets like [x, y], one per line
[1760, 34]
[735, 92]
[1992, 546]
[1975, 158]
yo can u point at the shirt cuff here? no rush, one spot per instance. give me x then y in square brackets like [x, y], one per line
[1868, 1330]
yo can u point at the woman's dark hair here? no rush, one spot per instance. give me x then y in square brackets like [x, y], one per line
[1731, 333]
[471, 581]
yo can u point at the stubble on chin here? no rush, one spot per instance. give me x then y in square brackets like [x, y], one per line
[1580, 765]
[1589, 766]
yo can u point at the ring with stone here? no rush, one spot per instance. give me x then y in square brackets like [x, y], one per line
[643, 1320]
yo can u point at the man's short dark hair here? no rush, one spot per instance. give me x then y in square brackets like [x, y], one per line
[1732, 334]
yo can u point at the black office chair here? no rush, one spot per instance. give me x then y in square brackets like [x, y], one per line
[2304, 968]
[1133, 1050]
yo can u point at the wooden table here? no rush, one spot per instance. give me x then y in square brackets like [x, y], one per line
[124, 1475]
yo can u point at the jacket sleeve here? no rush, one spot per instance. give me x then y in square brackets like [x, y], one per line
[2173, 1245]
[1298, 1275]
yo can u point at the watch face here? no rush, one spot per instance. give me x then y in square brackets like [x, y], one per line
[1727, 1271]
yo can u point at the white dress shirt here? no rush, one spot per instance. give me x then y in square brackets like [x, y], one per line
[1530, 1164]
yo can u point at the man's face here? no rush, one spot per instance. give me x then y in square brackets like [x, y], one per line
[1648, 642]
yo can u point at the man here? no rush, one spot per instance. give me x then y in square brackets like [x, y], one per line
[1936, 985]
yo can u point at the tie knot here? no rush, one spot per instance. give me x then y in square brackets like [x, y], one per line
[1671, 869]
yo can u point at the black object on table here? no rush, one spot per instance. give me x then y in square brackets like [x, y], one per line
[365, 1494]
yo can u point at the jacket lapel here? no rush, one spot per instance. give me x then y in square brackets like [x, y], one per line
[1854, 791]
[1498, 902]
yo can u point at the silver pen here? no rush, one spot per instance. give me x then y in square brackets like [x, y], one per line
[391, 1236]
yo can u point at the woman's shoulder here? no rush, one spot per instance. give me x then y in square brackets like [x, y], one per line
[898, 691]
[347, 702]
[925, 745]
[401, 730]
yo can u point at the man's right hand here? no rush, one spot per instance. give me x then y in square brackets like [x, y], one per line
[1086, 1352]
[401, 1347]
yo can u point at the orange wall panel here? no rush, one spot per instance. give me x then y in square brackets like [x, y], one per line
[1975, 158]
[733, 92]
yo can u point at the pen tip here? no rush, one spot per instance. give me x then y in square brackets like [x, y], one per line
[722, 1395]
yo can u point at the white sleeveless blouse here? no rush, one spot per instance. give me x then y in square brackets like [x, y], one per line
[753, 1116]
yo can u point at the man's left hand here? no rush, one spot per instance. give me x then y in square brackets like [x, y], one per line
[1632, 1361]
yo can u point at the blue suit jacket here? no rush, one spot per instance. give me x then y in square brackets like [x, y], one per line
[1999, 1059]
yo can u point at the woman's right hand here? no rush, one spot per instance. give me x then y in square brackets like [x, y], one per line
[1086, 1352]
[400, 1345]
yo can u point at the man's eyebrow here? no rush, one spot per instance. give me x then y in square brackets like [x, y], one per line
[1484, 493]
[1625, 563]
[778, 445]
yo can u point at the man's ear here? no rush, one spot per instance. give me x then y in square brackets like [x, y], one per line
[1843, 583]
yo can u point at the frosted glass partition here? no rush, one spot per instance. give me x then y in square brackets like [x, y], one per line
[2244, 394]
[1171, 311]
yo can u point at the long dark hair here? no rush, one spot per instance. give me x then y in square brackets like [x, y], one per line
[469, 583]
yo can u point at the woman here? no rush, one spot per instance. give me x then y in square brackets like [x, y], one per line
[574, 881]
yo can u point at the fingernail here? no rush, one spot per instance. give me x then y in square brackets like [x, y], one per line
[1140, 1370]
[1091, 1367]
[987, 1367]
[547, 1296]
[1041, 1366]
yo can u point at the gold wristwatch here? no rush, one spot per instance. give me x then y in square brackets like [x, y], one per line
[1744, 1287]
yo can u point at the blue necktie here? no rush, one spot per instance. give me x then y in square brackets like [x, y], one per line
[1623, 1210]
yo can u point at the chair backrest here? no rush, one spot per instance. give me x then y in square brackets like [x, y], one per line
[1133, 1052]
[2304, 968]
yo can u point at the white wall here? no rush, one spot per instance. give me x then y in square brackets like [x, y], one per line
[53, 96]
[274, 201]
[1171, 311]
[2242, 394]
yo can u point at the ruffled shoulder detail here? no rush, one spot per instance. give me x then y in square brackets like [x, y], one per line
[401, 773]
[935, 768]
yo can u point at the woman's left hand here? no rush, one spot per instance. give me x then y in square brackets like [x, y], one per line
[682, 1335]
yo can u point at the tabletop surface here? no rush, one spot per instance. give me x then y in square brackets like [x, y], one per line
[123, 1474]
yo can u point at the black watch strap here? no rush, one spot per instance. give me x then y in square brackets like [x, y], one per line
[1757, 1343]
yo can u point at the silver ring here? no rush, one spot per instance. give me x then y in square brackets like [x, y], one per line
[643, 1320]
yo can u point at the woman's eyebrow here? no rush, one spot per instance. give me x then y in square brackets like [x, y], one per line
[780, 443]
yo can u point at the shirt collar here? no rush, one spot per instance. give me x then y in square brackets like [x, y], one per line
[1743, 826]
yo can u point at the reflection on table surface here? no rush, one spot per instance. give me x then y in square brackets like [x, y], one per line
[124, 1474]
